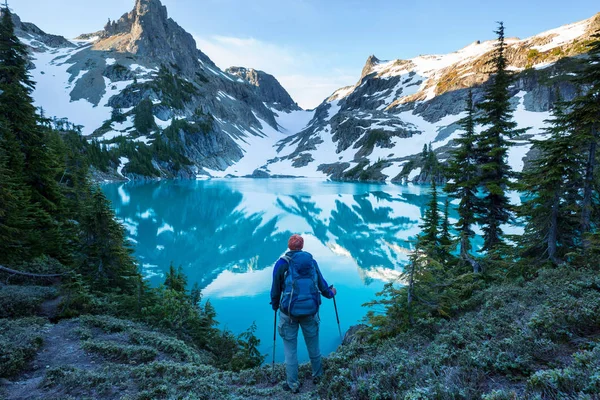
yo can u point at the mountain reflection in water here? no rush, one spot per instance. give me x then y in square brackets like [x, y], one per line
[227, 235]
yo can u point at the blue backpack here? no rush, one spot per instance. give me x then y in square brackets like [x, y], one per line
[300, 296]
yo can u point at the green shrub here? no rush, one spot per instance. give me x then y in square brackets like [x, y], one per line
[533, 54]
[581, 377]
[173, 347]
[23, 301]
[20, 339]
[69, 380]
[125, 353]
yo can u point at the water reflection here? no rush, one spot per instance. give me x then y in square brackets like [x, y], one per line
[227, 234]
[238, 226]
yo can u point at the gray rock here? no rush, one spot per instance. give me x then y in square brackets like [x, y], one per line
[31, 31]
[355, 334]
[149, 33]
[269, 88]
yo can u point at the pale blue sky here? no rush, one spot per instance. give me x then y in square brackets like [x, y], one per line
[316, 46]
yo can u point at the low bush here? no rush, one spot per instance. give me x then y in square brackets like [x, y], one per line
[23, 301]
[20, 339]
[125, 353]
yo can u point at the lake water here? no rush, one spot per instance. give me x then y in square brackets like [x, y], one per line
[228, 234]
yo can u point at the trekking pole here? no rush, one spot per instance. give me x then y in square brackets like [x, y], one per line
[337, 316]
[274, 342]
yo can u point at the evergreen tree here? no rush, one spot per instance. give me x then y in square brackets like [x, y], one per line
[585, 118]
[117, 115]
[176, 279]
[108, 263]
[143, 119]
[463, 177]
[429, 238]
[492, 148]
[196, 295]
[552, 187]
[424, 265]
[39, 165]
[15, 223]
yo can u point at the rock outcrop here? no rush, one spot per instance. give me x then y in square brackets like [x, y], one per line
[148, 32]
[268, 86]
[36, 37]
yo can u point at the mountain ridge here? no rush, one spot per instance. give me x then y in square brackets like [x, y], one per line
[403, 105]
[373, 130]
[100, 81]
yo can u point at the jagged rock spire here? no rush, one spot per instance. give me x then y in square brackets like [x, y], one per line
[371, 62]
[148, 32]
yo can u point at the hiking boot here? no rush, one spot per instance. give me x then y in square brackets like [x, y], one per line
[287, 388]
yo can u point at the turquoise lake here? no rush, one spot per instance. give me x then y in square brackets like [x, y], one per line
[227, 235]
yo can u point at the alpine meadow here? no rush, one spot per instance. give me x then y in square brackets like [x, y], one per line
[169, 223]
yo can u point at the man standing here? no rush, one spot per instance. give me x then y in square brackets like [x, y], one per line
[295, 292]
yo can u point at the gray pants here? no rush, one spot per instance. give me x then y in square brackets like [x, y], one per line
[288, 330]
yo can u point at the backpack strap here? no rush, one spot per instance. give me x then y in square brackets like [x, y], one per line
[287, 259]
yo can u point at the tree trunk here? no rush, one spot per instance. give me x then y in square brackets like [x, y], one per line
[553, 232]
[411, 281]
[464, 254]
[587, 190]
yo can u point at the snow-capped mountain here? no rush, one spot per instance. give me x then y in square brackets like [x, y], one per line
[376, 129]
[142, 89]
[270, 89]
[98, 82]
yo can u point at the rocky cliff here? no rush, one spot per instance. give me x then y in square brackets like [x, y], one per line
[162, 108]
[376, 129]
[269, 88]
[158, 105]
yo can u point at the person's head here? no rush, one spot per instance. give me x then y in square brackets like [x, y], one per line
[296, 243]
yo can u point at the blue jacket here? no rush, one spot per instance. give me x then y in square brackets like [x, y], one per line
[281, 267]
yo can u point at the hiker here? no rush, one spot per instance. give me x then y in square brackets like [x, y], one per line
[297, 282]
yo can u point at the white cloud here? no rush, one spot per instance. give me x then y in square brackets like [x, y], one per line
[307, 78]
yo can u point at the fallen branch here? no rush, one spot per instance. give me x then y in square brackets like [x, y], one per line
[15, 272]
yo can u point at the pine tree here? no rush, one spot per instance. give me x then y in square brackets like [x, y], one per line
[39, 166]
[108, 263]
[552, 187]
[196, 295]
[143, 119]
[424, 153]
[15, 224]
[429, 238]
[492, 148]
[445, 241]
[176, 280]
[585, 118]
[462, 173]
[424, 262]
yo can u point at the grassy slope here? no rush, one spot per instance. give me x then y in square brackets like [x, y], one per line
[538, 339]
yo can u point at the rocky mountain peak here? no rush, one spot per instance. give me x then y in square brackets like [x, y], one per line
[36, 36]
[268, 86]
[371, 62]
[148, 32]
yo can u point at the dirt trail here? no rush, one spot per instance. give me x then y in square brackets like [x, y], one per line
[61, 348]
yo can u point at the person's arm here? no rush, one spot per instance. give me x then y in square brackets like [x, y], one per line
[278, 270]
[322, 283]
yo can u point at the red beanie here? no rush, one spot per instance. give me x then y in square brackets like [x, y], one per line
[296, 242]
